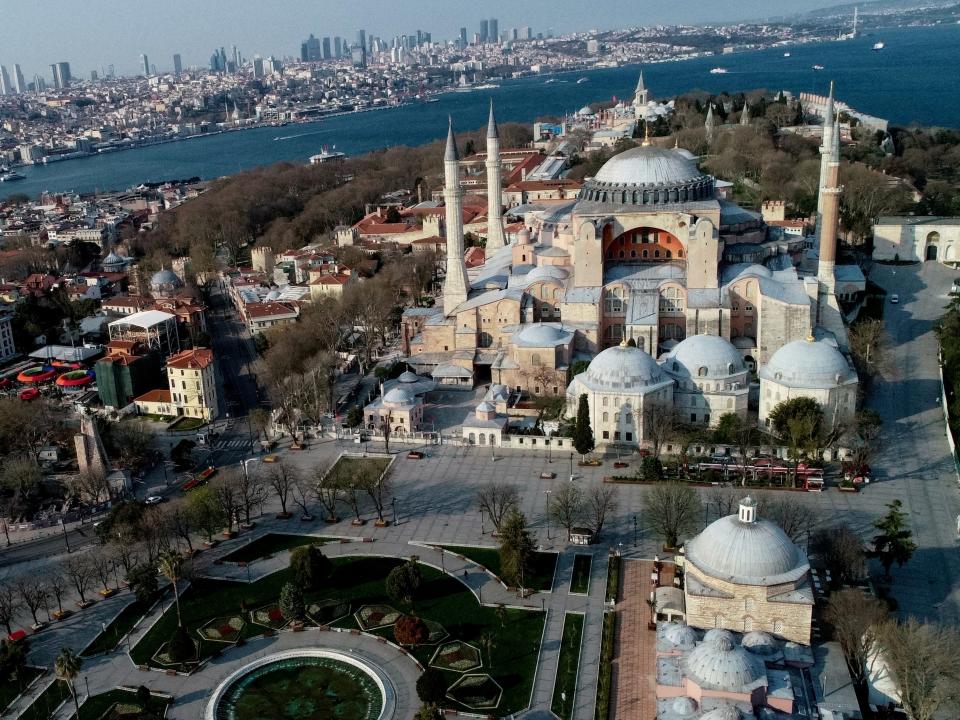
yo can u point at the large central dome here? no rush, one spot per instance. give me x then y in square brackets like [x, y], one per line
[649, 166]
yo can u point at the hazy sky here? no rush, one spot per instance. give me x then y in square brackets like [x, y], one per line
[95, 33]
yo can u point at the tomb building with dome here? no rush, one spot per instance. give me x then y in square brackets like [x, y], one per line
[649, 255]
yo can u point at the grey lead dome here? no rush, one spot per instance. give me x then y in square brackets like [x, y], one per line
[650, 166]
[807, 364]
[622, 368]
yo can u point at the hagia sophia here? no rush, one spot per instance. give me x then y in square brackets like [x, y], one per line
[673, 293]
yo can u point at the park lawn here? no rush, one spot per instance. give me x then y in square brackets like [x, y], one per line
[270, 544]
[350, 466]
[95, 707]
[568, 665]
[605, 680]
[360, 580]
[543, 564]
[119, 627]
[580, 577]
[49, 700]
[10, 690]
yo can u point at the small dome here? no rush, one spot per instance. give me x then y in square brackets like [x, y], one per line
[485, 407]
[758, 270]
[398, 396]
[585, 110]
[760, 642]
[165, 277]
[112, 259]
[718, 663]
[547, 272]
[541, 335]
[649, 165]
[725, 712]
[684, 707]
[622, 368]
[681, 636]
[808, 364]
[408, 377]
[709, 356]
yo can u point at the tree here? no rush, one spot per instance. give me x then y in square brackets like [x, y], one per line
[130, 443]
[102, 563]
[867, 340]
[601, 501]
[291, 602]
[795, 518]
[376, 487]
[180, 521]
[866, 432]
[411, 630]
[924, 659]
[488, 642]
[171, 566]
[672, 510]
[310, 567]
[9, 604]
[583, 440]
[206, 511]
[251, 491]
[13, 661]
[856, 618]
[281, 481]
[33, 592]
[567, 507]
[329, 489]
[80, 572]
[800, 422]
[842, 553]
[21, 479]
[893, 543]
[660, 420]
[56, 582]
[304, 495]
[67, 666]
[143, 583]
[403, 582]
[260, 422]
[224, 488]
[516, 547]
[497, 499]
[181, 646]
[429, 711]
[431, 686]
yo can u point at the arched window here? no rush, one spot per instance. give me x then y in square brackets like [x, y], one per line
[484, 339]
[606, 417]
[613, 301]
[730, 369]
[644, 254]
[536, 360]
[701, 371]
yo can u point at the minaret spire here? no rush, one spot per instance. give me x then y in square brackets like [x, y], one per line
[496, 237]
[456, 284]
[641, 96]
[745, 114]
[826, 147]
[709, 124]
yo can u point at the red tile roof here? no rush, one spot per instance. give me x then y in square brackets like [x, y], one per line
[195, 359]
[157, 396]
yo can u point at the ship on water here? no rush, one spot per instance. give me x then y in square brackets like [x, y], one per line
[878, 45]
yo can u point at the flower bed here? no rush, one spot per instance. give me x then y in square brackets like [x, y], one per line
[326, 612]
[437, 632]
[457, 656]
[269, 616]
[163, 659]
[372, 617]
[477, 692]
[224, 629]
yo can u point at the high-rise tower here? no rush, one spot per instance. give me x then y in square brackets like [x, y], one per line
[495, 234]
[455, 284]
[145, 65]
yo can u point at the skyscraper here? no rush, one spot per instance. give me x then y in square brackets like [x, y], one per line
[358, 56]
[94, 76]
[61, 75]
[484, 30]
[310, 50]
[5, 87]
[18, 76]
[337, 47]
[145, 65]
[463, 37]
[326, 48]
[494, 29]
[257, 66]
[362, 39]
[362, 44]
[177, 65]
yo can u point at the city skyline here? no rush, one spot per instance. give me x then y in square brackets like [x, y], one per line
[111, 30]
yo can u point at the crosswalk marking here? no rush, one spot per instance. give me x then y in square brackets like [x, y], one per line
[237, 444]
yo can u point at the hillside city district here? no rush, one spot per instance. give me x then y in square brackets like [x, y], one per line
[640, 293]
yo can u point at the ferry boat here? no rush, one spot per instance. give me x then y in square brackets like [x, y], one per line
[327, 155]
[582, 80]
[719, 71]
[818, 67]
[11, 176]
[878, 45]
[786, 54]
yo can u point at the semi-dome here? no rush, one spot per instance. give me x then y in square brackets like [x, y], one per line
[718, 663]
[542, 335]
[684, 707]
[398, 396]
[681, 636]
[648, 165]
[808, 364]
[622, 369]
[760, 643]
[747, 551]
[709, 356]
[547, 272]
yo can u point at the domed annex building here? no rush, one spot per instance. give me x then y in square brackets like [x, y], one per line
[743, 573]
[649, 254]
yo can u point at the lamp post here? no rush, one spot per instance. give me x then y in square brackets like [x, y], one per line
[634, 530]
[393, 502]
[546, 512]
[66, 540]
[481, 521]
[571, 466]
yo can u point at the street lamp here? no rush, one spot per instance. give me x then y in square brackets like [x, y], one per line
[634, 530]
[393, 502]
[481, 521]
[547, 512]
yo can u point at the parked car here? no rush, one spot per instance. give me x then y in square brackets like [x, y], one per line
[415, 455]
[895, 299]
[154, 500]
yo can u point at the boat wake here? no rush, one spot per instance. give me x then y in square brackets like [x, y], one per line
[292, 137]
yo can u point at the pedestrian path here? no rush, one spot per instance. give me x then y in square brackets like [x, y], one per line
[234, 444]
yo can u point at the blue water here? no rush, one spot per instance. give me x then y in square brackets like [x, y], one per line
[914, 79]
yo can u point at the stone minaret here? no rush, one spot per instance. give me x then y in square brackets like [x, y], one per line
[456, 285]
[710, 123]
[495, 234]
[745, 115]
[641, 95]
[826, 148]
[830, 210]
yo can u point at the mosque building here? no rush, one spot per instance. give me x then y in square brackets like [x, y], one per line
[673, 293]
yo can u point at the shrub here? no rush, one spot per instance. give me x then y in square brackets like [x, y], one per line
[310, 567]
[431, 686]
[181, 647]
[403, 583]
[410, 630]
[291, 602]
[143, 582]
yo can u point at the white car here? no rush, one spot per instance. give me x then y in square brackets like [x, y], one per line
[895, 299]
[154, 500]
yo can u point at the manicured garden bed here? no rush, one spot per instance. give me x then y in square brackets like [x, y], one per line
[10, 690]
[580, 577]
[359, 581]
[121, 705]
[605, 679]
[613, 578]
[542, 564]
[568, 665]
[49, 700]
[270, 544]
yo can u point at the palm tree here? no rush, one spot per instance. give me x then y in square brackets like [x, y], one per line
[488, 642]
[67, 666]
[171, 565]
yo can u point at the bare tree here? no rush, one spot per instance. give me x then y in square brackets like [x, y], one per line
[329, 490]
[155, 532]
[842, 552]
[376, 488]
[101, 562]
[660, 422]
[925, 659]
[304, 494]
[856, 619]
[56, 582]
[9, 604]
[795, 518]
[180, 521]
[225, 491]
[601, 501]
[128, 555]
[80, 572]
[281, 481]
[727, 499]
[251, 492]
[91, 485]
[672, 509]
[867, 342]
[353, 496]
[566, 507]
[497, 499]
[33, 592]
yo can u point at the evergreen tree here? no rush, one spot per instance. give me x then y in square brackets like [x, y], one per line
[582, 432]
[893, 543]
[291, 602]
[516, 547]
[403, 583]
[310, 567]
